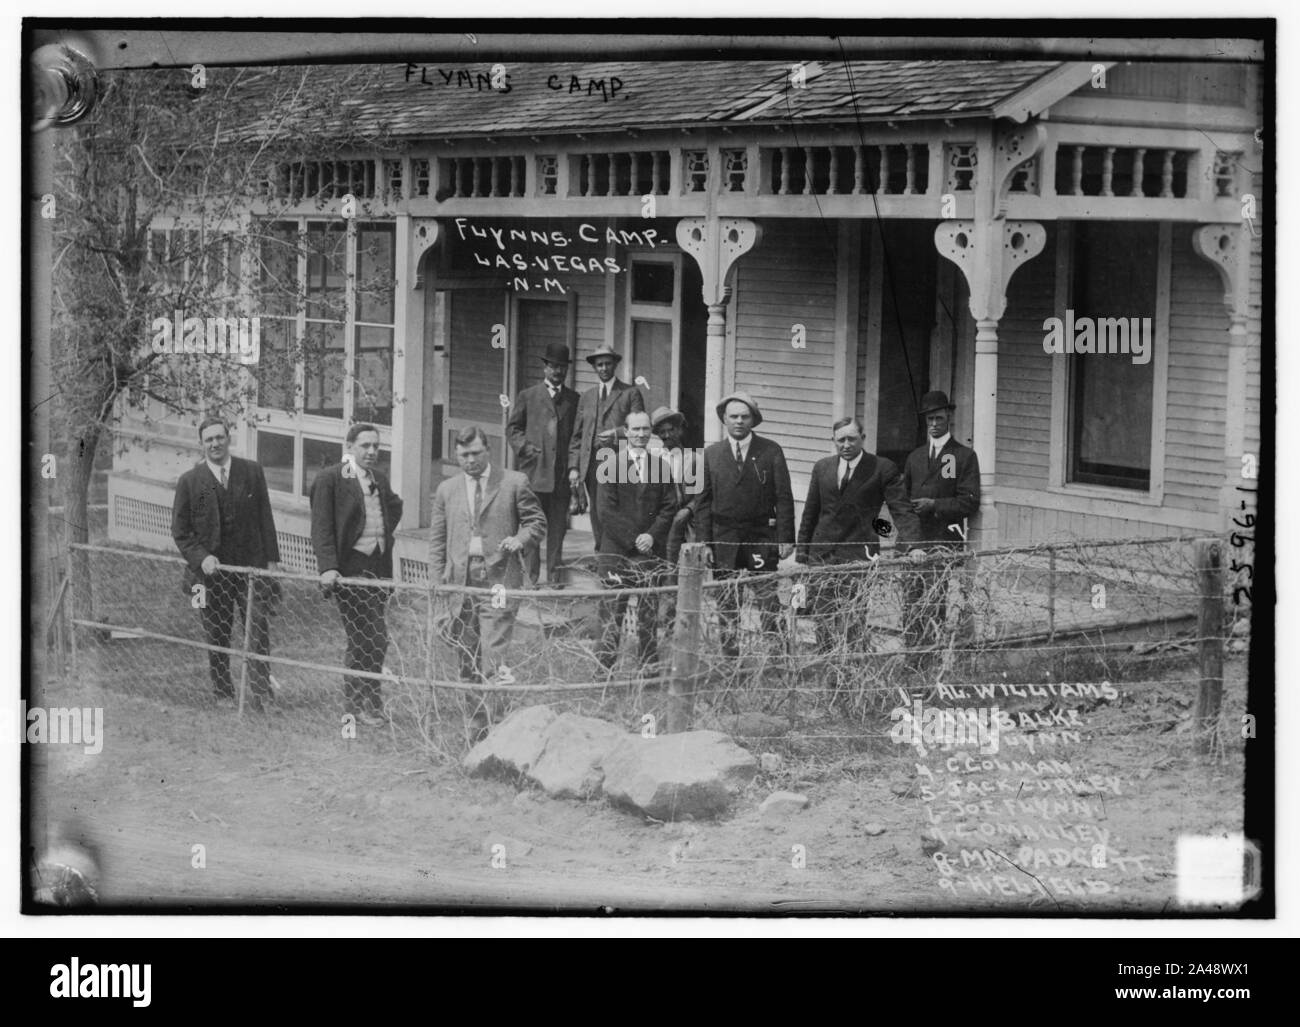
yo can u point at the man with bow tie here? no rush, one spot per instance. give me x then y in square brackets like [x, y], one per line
[221, 517]
[840, 526]
[601, 410]
[745, 512]
[354, 513]
[942, 479]
[540, 428]
[637, 499]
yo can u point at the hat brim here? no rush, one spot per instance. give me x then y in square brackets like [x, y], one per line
[930, 410]
[675, 417]
[721, 408]
[616, 357]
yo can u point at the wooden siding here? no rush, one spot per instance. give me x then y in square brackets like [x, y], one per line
[789, 279]
[1025, 373]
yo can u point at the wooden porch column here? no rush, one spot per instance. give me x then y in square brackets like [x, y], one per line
[716, 243]
[988, 250]
[412, 474]
[1227, 248]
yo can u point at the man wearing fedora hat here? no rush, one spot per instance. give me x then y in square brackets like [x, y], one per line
[540, 428]
[602, 409]
[942, 479]
[745, 511]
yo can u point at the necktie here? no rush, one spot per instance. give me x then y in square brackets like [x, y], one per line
[844, 481]
[604, 393]
[740, 460]
[637, 476]
[224, 478]
[478, 503]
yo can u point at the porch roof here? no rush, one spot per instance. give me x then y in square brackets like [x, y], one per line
[418, 101]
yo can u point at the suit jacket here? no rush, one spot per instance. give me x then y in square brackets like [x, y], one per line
[831, 517]
[595, 417]
[956, 497]
[510, 508]
[540, 430]
[628, 509]
[196, 517]
[755, 505]
[338, 516]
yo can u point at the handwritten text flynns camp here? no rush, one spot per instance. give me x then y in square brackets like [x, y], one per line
[496, 79]
[516, 250]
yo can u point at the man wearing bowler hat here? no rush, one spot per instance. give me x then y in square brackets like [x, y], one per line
[745, 512]
[602, 409]
[540, 428]
[942, 479]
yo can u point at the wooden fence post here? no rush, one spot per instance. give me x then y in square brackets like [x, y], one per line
[687, 632]
[248, 638]
[1209, 631]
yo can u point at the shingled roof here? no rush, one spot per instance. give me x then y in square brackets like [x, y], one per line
[455, 101]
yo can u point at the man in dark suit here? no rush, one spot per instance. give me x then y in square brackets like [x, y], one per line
[845, 495]
[222, 515]
[354, 513]
[637, 498]
[601, 410]
[943, 480]
[540, 428]
[745, 512]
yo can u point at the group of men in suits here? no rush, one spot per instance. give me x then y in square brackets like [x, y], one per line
[489, 523]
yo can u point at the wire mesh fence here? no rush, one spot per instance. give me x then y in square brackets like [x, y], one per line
[832, 648]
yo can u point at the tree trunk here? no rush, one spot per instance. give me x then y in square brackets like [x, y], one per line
[77, 473]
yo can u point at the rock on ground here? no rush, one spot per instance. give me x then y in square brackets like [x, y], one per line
[670, 777]
[513, 746]
[780, 805]
[570, 766]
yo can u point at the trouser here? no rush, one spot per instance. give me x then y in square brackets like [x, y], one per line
[837, 602]
[363, 608]
[480, 625]
[927, 600]
[730, 559]
[591, 500]
[222, 615]
[617, 571]
[555, 505]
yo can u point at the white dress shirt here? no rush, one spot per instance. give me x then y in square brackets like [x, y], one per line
[936, 445]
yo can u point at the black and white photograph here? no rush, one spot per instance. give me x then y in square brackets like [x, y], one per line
[652, 469]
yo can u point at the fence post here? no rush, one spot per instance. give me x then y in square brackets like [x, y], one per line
[1209, 629]
[248, 638]
[1051, 594]
[686, 635]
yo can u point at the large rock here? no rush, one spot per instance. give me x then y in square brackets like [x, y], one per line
[513, 746]
[670, 777]
[570, 766]
[780, 805]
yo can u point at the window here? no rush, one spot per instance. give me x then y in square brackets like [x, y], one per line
[654, 327]
[327, 309]
[1111, 396]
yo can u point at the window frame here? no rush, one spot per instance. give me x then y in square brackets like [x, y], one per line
[1061, 427]
[664, 313]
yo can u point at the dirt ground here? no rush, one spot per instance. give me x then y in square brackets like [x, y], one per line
[292, 816]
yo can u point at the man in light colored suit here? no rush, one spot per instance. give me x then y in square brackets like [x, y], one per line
[484, 519]
[601, 411]
[540, 427]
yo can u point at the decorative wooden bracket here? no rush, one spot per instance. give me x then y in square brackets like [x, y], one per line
[988, 266]
[716, 244]
[425, 233]
[1012, 151]
[1225, 247]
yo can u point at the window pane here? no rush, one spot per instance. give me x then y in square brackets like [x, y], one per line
[278, 277]
[275, 364]
[316, 456]
[652, 283]
[652, 359]
[326, 268]
[1111, 396]
[324, 365]
[375, 273]
[275, 454]
[372, 390]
